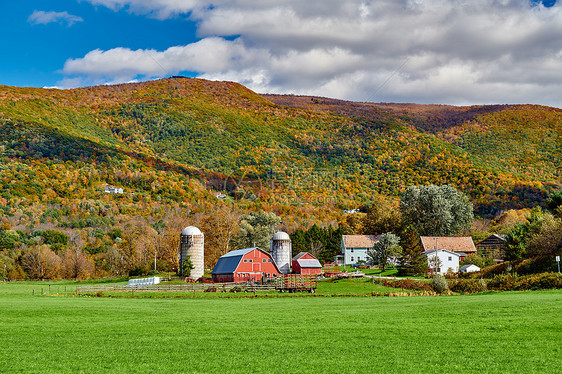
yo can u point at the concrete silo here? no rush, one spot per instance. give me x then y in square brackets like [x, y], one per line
[281, 251]
[192, 243]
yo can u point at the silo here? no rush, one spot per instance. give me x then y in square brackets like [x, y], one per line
[192, 243]
[281, 251]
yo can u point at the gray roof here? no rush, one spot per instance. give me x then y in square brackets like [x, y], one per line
[309, 263]
[299, 255]
[464, 267]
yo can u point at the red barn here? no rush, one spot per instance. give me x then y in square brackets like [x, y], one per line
[250, 264]
[307, 264]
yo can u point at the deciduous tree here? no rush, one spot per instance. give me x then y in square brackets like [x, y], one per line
[436, 210]
[386, 248]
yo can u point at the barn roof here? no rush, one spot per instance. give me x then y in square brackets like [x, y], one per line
[450, 243]
[492, 240]
[228, 262]
[295, 258]
[359, 241]
[309, 263]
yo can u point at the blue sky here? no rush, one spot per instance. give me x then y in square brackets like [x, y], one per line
[423, 51]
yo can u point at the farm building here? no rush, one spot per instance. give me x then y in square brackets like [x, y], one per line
[448, 260]
[355, 247]
[470, 268]
[492, 247]
[307, 264]
[250, 264]
[462, 245]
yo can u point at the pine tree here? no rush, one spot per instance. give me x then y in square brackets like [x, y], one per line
[412, 262]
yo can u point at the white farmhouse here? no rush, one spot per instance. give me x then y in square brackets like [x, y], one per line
[447, 260]
[355, 247]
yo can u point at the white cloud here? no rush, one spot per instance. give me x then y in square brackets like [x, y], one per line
[457, 52]
[39, 17]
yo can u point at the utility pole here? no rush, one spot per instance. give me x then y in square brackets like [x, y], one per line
[436, 255]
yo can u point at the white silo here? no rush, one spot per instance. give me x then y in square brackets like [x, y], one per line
[192, 242]
[281, 251]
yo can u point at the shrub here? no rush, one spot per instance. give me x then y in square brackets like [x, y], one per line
[468, 285]
[502, 282]
[406, 284]
[439, 283]
[529, 282]
[139, 270]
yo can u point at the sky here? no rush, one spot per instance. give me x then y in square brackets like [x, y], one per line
[460, 52]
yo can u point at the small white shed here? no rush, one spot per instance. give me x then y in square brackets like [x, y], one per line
[447, 260]
[469, 268]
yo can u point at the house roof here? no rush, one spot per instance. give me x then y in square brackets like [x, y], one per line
[359, 241]
[450, 243]
[309, 263]
[441, 250]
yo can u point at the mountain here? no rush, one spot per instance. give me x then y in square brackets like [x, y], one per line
[172, 143]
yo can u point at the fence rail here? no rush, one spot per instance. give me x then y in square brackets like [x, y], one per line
[214, 287]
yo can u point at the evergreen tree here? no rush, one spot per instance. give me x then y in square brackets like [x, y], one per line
[412, 262]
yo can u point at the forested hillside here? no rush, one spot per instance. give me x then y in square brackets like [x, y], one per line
[172, 144]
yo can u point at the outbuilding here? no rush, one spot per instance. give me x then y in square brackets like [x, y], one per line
[250, 264]
[306, 264]
[470, 268]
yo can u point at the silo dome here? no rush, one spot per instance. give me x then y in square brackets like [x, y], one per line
[280, 235]
[281, 251]
[191, 230]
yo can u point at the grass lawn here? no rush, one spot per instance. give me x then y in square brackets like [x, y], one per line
[512, 332]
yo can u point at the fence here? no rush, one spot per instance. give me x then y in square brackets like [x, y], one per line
[196, 287]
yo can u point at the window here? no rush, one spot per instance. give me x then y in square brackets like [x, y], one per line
[245, 260]
[358, 258]
[351, 258]
[250, 260]
[264, 260]
[268, 260]
[351, 250]
[450, 258]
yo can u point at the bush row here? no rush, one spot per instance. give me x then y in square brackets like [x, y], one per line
[406, 284]
[509, 282]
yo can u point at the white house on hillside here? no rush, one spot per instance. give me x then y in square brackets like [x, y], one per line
[110, 189]
[448, 260]
[355, 247]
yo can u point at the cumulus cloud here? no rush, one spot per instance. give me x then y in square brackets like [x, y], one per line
[39, 17]
[480, 51]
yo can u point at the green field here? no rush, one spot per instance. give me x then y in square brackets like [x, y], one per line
[516, 332]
